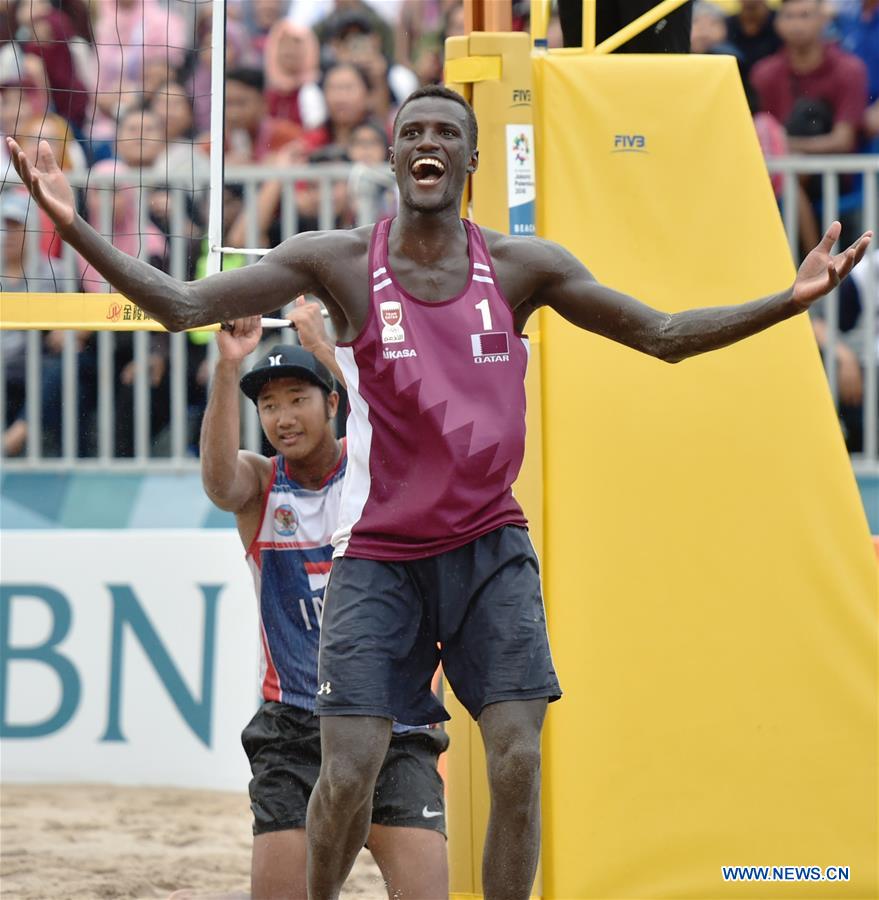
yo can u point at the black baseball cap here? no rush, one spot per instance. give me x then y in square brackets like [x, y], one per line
[286, 361]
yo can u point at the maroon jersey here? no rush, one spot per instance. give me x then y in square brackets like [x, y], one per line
[436, 429]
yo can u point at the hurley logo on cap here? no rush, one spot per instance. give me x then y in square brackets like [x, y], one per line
[286, 361]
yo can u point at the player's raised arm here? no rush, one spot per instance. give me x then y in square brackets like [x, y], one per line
[308, 321]
[232, 478]
[293, 268]
[564, 284]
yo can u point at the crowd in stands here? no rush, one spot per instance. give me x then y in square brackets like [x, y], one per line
[811, 74]
[123, 87]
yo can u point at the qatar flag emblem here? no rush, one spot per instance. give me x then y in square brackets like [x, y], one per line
[490, 347]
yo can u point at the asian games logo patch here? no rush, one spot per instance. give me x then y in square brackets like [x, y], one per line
[521, 150]
[285, 522]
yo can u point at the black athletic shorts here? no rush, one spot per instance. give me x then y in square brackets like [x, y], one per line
[478, 608]
[282, 743]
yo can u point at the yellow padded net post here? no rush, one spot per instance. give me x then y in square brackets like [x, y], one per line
[711, 586]
[710, 581]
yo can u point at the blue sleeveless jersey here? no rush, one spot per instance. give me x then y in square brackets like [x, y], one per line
[290, 559]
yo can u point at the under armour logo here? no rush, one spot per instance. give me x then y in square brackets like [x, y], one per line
[325, 688]
[275, 360]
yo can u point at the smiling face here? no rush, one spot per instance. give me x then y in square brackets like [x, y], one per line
[296, 416]
[139, 138]
[346, 95]
[432, 155]
[245, 106]
[367, 146]
[172, 106]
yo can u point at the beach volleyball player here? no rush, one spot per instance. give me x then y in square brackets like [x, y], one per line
[286, 510]
[432, 559]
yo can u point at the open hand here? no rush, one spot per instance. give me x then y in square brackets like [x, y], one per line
[45, 181]
[822, 271]
[240, 338]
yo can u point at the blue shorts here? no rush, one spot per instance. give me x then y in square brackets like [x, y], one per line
[477, 609]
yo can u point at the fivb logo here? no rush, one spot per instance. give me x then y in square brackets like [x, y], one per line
[629, 143]
[521, 97]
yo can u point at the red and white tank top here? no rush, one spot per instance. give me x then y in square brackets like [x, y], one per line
[436, 427]
[290, 558]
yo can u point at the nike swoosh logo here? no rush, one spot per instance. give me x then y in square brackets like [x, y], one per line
[429, 813]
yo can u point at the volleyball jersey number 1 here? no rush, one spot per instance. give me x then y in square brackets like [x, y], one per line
[482, 306]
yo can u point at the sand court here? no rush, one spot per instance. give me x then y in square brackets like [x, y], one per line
[97, 840]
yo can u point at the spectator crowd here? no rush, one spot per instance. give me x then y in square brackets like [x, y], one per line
[120, 88]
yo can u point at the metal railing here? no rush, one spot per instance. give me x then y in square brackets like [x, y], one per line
[89, 437]
[857, 206]
[130, 435]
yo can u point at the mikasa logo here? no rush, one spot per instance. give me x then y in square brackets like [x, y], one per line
[400, 354]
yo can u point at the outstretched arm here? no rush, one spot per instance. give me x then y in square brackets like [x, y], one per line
[293, 268]
[565, 285]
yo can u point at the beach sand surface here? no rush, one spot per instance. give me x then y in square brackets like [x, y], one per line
[98, 840]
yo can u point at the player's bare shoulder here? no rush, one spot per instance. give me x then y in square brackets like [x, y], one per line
[522, 263]
[249, 512]
[264, 470]
[334, 266]
[322, 251]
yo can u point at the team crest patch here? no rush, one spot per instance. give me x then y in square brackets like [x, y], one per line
[392, 316]
[285, 522]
